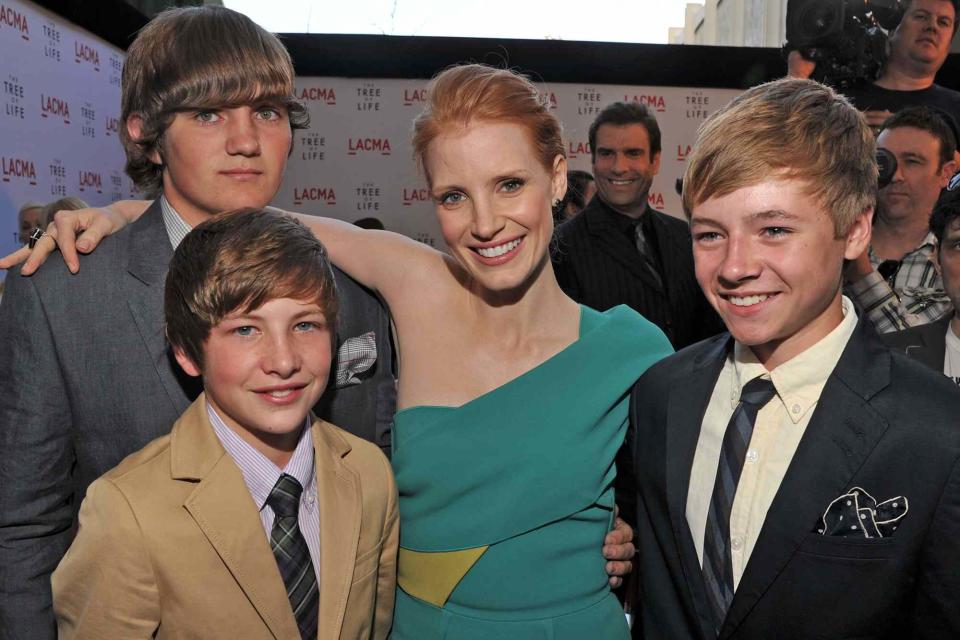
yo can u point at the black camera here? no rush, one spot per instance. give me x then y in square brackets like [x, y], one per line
[846, 38]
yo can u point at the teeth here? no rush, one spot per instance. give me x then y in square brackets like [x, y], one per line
[499, 250]
[747, 301]
[621, 183]
[280, 394]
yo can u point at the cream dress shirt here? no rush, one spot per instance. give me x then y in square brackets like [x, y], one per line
[777, 433]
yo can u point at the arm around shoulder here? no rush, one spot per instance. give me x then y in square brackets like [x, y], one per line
[105, 586]
[380, 260]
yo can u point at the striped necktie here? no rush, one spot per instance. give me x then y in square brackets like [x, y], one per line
[293, 556]
[717, 563]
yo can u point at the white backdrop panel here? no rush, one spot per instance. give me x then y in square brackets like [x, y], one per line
[60, 95]
[356, 160]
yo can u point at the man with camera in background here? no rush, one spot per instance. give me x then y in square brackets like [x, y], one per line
[918, 48]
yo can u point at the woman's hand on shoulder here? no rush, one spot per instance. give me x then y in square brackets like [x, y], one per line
[73, 231]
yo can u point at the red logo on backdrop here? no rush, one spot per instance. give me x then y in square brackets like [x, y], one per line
[112, 126]
[18, 168]
[549, 100]
[683, 151]
[575, 149]
[14, 19]
[325, 195]
[416, 96]
[51, 106]
[411, 196]
[368, 145]
[325, 95]
[90, 180]
[653, 101]
[655, 199]
[85, 53]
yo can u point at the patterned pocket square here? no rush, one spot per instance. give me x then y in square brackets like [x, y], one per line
[355, 356]
[858, 514]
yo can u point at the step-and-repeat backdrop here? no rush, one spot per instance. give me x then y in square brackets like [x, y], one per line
[60, 98]
[59, 101]
[356, 159]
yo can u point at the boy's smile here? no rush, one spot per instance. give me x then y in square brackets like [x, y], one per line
[264, 370]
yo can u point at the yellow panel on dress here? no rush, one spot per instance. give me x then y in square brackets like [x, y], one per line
[432, 576]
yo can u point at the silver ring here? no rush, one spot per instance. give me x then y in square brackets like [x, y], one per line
[35, 236]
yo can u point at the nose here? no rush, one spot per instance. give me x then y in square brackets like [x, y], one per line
[487, 221]
[740, 262]
[243, 137]
[280, 357]
[620, 163]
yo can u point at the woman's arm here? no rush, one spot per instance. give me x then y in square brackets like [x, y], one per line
[380, 260]
[73, 231]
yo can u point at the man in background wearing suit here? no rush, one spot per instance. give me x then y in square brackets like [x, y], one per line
[937, 344]
[619, 250]
[208, 112]
[796, 478]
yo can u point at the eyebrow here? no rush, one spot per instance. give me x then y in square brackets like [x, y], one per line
[767, 214]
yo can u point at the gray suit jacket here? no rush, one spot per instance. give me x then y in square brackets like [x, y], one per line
[88, 379]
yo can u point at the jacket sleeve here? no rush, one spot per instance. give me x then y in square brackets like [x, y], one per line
[36, 462]
[937, 601]
[387, 576]
[105, 585]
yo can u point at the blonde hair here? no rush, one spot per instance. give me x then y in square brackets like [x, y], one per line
[468, 93]
[789, 128]
[196, 58]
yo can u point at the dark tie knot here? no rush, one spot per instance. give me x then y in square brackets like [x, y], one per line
[757, 392]
[284, 498]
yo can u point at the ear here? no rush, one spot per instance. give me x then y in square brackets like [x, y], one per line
[135, 131]
[186, 362]
[655, 164]
[858, 236]
[947, 171]
[559, 177]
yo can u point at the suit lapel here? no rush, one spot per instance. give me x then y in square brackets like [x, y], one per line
[614, 243]
[842, 432]
[340, 505]
[149, 259]
[686, 409]
[933, 345]
[674, 256]
[224, 511]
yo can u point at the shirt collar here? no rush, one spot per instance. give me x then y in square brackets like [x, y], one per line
[926, 246]
[799, 381]
[259, 473]
[621, 220]
[177, 228]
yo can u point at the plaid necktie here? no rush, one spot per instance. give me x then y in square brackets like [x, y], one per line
[292, 555]
[717, 563]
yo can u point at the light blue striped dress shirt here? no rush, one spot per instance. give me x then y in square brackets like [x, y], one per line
[260, 476]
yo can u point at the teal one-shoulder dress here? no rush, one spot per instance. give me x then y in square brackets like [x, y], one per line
[505, 501]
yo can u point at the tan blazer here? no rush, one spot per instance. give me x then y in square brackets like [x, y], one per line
[170, 542]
